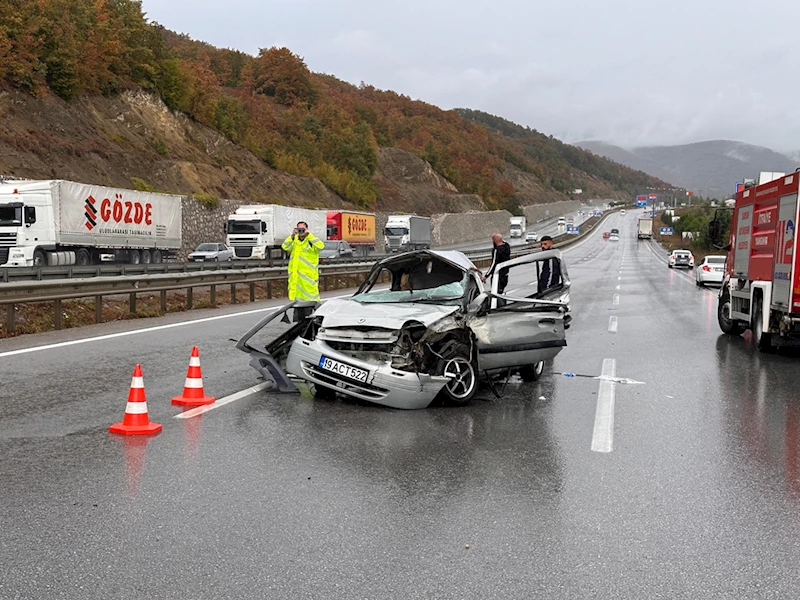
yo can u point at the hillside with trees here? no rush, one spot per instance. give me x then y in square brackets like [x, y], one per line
[296, 121]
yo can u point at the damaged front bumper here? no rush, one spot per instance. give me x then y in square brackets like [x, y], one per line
[384, 385]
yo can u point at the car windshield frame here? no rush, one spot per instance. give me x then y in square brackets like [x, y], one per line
[445, 294]
[238, 227]
[207, 247]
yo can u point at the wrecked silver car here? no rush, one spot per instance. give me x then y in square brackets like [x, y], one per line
[422, 326]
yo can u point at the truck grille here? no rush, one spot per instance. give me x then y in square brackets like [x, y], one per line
[3, 255]
[243, 251]
[8, 240]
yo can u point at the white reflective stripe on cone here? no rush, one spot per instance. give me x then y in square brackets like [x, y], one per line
[194, 361]
[136, 408]
[137, 382]
[193, 383]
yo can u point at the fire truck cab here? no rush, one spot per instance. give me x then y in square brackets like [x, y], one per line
[761, 288]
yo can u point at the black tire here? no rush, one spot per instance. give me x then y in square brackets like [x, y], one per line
[39, 258]
[147, 258]
[698, 283]
[530, 373]
[157, 257]
[83, 258]
[670, 266]
[458, 366]
[324, 393]
[761, 338]
[134, 257]
[727, 324]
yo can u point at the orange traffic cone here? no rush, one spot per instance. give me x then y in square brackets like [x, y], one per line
[193, 394]
[136, 420]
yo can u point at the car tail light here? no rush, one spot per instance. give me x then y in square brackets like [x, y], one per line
[706, 268]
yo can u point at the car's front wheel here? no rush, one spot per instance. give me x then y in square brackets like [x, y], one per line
[459, 368]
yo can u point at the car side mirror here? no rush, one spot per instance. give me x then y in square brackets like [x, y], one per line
[263, 227]
[713, 231]
[30, 215]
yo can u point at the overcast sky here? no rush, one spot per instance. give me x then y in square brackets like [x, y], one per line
[631, 72]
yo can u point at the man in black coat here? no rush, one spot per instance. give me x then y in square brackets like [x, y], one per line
[550, 275]
[501, 252]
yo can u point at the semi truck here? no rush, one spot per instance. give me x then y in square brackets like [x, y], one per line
[55, 222]
[355, 228]
[256, 231]
[645, 229]
[517, 226]
[407, 232]
[761, 285]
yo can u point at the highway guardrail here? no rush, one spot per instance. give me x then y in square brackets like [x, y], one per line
[177, 276]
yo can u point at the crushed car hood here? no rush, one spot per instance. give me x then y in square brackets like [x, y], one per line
[349, 313]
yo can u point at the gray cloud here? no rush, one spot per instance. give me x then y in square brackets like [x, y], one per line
[625, 71]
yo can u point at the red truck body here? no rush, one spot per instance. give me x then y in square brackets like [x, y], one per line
[763, 240]
[356, 228]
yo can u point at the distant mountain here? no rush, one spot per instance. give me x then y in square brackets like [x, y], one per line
[711, 168]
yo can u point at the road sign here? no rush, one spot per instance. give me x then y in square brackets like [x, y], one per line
[653, 196]
[666, 231]
[641, 197]
[739, 186]
[597, 213]
[573, 229]
[641, 203]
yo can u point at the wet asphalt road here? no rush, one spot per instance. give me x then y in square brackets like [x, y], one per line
[290, 497]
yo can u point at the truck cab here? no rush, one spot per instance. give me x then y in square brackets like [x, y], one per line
[246, 234]
[26, 225]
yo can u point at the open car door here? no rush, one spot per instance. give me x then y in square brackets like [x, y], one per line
[525, 324]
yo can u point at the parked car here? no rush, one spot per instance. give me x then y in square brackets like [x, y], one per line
[606, 235]
[710, 270]
[336, 249]
[433, 332]
[681, 258]
[211, 252]
[531, 236]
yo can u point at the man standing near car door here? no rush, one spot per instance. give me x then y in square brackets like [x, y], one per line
[303, 248]
[501, 252]
[550, 275]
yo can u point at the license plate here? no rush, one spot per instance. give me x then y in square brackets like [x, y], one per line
[340, 368]
[199, 259]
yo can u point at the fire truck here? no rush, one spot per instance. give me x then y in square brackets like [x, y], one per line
[761, 288]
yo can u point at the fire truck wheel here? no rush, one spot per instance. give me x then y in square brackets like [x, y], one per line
[763, 340]
[726, 323]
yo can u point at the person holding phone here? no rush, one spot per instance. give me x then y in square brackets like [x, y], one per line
[303, 248]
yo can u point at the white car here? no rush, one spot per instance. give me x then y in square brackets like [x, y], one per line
[710, 270]
[211, 253]
[531, 236]
[434, 330]
[681, 258]
[622, 212]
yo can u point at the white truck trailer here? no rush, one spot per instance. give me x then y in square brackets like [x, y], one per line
[407, 232]
[56, 222]
[256, 231]
[645, 228]
[518, 226]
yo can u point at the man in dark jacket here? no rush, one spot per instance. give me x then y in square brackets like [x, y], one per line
[501, 252]
[550, 275]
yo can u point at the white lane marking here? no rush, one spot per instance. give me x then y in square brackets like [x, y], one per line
[194, 412]
[603, 435]
[618, 287]
[616, 299]
[612, 325]
[619, 278]
[111, 336]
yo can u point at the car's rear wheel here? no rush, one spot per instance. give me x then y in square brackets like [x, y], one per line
[459, 368]
[532, 372]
